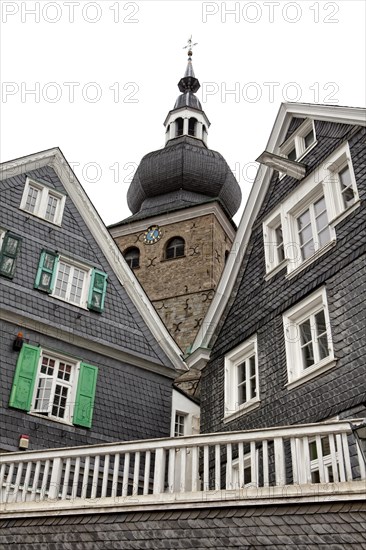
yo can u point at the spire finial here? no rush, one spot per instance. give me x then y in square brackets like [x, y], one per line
[190, 46]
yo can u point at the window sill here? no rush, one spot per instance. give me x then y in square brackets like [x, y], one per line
[310, 260]
[345, 213]
[245, 408]
[276, 269]
[56, 224]
[51, 418]
[312, 372]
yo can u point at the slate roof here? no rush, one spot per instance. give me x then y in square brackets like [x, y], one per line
[323, 526]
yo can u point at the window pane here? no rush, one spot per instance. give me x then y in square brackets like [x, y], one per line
[11, 246]
[43, 394]
[77, 286]
[241, 373]
[31, 199]
[292, 154]
[242, 394]
[6, 266]
[319, 207]
[309, 139]
[305, 235]
[51, 208]
[345, 177]
[305, 331]
[304, 219]
[346, 187]
[252, 366]
[59, 401]
[321, 221]
[62, 280]
[308, 355]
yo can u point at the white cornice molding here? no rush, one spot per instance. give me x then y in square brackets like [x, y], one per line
[176, 217]
[55, 159]
[345, 115]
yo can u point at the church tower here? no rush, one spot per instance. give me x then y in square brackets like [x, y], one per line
[182, 199]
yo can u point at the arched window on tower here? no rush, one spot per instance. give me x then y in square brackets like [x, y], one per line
[132, 256]
[174, 248]
[167, 129]
[204, 133]
[179, 126]
[192, 123]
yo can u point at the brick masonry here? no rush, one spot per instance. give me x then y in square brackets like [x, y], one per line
[257, 306]
[131, 402]
[181, 289]
[327, 526]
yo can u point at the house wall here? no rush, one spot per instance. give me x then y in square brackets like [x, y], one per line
[257, 307]
[133, 398]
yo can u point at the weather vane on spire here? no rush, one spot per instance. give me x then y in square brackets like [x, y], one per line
[190, 46]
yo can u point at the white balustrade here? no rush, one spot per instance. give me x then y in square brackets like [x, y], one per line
[232, 461]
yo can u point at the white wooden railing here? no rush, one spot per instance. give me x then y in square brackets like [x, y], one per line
[279, 457]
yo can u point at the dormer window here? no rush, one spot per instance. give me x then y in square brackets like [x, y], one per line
[179, 127]
[300, 142]
[192, 126]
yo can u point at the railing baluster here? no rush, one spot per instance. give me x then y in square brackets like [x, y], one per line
[136, 474]
[75, 480]
[9, 480]
[65, 485]
[206, 468]
[105, 476]
[333, 454]
[319, 452]
[17, 481]
[95, 476]
[280, 473]
[265, 463]
[115, 475]
[253, 464]
[84, 489]
[147, 472]
[241, 465]
[229, 466]
[26, 481]
[183, 466]
[126, 474]
[44, 485]
[171, 470]
[294, 460]
[55, 481]
[217, 468]
[35, 480]
[342, 473]
[306, 470]
[195, 474]
[159, 471]
[347, 459]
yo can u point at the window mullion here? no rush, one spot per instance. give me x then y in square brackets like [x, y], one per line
[314, 339]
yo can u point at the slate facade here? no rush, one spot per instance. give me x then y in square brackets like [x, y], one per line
[134, 384]
[257, 306]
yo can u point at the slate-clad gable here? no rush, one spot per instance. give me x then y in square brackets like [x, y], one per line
[133, 392]
[257, 306]
[119, 323]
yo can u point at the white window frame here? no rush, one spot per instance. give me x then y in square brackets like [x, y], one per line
[324, 181]
[44, 193]
[238, 483]
[72, 384]
[232, 360]
[185, 419]
[297, 141]
[297, 373]
[85, 286]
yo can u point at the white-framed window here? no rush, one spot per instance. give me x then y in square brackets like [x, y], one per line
[306, 220]
[241, 379]
[300, 142]
[54, 392]
[71, 281]
[180, 424]
[321, 457]
[42, 201]
[309, 349]
[248, 476]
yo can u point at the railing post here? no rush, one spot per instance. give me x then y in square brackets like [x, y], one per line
[53, 492]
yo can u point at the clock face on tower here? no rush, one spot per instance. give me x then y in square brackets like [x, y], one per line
[152, 234]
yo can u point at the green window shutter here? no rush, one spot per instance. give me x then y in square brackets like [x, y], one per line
[46, 274]
[8, 255]
[24, 378]
[97, 290]
[85, 394]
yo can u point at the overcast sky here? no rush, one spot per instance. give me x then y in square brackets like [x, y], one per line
[97, 79]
